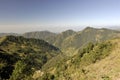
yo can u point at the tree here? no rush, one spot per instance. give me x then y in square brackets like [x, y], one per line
[17, 72]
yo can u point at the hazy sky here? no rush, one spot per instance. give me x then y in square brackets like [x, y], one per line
[57, 15]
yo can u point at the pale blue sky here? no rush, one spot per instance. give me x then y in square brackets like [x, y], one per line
[57, 15]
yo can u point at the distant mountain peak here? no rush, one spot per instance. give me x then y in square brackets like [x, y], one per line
[69, 31]
[89, 27]
[92, 28]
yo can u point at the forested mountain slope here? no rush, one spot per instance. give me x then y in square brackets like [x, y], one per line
[45, 35]
[90, 54]
[70, 41]
[21, 57]
[98, 61]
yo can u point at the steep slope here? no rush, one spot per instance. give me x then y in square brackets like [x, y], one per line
[59, 39]
[76, 41]
[108, 68]
[94, 62]
[21, 57]
[50, 37]
[45, 35]
[70, 41]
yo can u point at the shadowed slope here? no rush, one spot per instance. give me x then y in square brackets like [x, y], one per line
[24, 55]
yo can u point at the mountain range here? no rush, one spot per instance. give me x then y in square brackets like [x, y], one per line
[70, 41]
[69, 55]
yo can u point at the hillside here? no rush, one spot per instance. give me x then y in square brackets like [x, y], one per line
[21, 57]
[89, 34]
[59, 39]
[50, 37]
[79, 55]
[70, 41]
[94, 62]
[107, 68]
[45, 35]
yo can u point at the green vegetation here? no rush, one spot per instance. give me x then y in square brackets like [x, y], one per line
[91, 54]
[96, 53]
[47, 76]
[69, 41]
[45, 35]
[86, 56]
[21, 57]
[88, 35]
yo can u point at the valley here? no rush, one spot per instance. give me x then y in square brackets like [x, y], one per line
[90, 54]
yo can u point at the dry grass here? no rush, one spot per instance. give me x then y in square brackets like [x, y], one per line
[108, 68]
